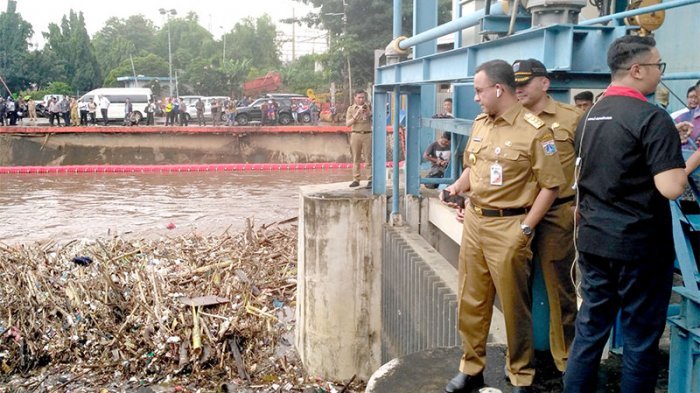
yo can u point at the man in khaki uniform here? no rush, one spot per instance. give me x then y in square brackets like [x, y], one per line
[512, 176]
[554, 238]
[359, 118]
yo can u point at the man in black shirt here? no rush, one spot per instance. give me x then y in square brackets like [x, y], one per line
[629, 166]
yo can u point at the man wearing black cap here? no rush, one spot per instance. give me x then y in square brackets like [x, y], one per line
[553, 241]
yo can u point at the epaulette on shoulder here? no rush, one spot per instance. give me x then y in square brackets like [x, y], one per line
[533, 120]
[569, 107]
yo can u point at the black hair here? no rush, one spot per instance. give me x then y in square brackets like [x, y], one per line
[624, 50]
[691, 89]
[498, 71]
[360, 92]
[584, 96]
[448, 100]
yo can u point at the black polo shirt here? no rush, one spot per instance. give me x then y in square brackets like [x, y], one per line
[625, 143]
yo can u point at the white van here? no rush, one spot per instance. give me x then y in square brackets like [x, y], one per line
[117, 96]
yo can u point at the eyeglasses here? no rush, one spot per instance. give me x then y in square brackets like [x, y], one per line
[661, 66]
[479, 91]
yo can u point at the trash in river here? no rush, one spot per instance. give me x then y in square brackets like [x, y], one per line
[214, 310]
[82, 261]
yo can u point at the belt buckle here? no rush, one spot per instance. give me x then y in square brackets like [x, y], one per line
[478, 211]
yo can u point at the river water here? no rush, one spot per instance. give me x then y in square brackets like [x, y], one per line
[65, 207]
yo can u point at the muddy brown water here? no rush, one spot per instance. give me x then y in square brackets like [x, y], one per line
[65, 207]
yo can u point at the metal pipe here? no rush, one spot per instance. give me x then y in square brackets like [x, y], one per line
[450, 27]
[397, 150]
[678, 76]
[397, 19]
[638, 11]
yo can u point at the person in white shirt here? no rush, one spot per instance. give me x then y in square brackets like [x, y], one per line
[104, 106]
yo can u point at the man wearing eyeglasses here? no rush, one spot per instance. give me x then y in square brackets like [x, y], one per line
[512, 175]
[629, 166]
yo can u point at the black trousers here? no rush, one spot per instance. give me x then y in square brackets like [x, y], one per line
[640, 290]
[105, 120]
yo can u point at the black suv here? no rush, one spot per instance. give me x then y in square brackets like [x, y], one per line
[252, 112]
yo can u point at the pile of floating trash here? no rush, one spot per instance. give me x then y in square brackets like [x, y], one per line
[193, 312]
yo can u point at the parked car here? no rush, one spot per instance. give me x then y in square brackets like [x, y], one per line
[139, 98]
[253, 112]
[192, 110]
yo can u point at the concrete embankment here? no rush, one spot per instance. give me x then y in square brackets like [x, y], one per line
[113, 145]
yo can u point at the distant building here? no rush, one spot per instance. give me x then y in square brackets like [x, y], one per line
[146, 81]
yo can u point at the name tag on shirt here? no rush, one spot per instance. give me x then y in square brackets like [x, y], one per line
[496, 175]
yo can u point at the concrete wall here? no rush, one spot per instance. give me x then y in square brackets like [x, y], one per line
[172, 148]
[339, 276]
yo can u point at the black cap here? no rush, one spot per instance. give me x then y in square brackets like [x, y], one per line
[525, 70]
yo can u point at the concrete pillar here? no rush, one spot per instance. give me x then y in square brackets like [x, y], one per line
[339, 280]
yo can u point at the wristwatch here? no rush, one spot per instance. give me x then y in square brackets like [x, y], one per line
[527, 230]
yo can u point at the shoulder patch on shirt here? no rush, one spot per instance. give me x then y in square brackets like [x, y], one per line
[533, 120]
[549, 147]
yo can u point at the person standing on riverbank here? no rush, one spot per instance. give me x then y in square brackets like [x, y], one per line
[359, 119]
[104, 107]
[92, 111]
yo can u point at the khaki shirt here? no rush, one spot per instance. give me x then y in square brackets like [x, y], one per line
[524, 148]
[567, 117]
[363, 122]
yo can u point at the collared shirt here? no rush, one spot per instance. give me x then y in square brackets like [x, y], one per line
[566, 118]
[363, 123]
[525, 152]
[624, 143]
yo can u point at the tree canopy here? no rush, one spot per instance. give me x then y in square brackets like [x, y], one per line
[202, 64]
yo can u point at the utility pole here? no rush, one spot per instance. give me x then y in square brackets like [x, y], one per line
[294, 36]
[167, 14]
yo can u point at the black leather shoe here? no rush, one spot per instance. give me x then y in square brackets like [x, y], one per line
[355, 184]
[463, 383]
[522, 389]
[369, 184]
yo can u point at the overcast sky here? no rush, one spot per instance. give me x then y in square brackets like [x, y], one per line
[212, 15]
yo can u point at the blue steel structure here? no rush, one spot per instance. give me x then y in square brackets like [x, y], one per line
[575, 56]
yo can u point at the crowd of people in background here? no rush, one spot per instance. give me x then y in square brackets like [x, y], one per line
[65, 111]
[12, 112]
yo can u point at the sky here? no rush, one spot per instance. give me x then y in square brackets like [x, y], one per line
[217, 19]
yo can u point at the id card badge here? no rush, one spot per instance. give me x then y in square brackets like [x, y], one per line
[496, 175]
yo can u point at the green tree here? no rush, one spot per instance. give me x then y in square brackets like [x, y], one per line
[148, 65]
[71, 44]
[15, 33]
[300, 75]
[189, 42]
[255, 40]
[120, 38]
[356, 29]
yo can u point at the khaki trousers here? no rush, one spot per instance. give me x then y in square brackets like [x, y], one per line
[554, 244]
[495, 258]
[361, 144]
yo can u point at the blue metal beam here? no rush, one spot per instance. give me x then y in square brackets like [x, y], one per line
[396, 151]
[562, 48]
[413, 148]
[453, 26]
[379, 141]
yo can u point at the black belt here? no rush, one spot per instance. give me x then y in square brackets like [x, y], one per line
[500, 212]
[362, 132]
[561, 201]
